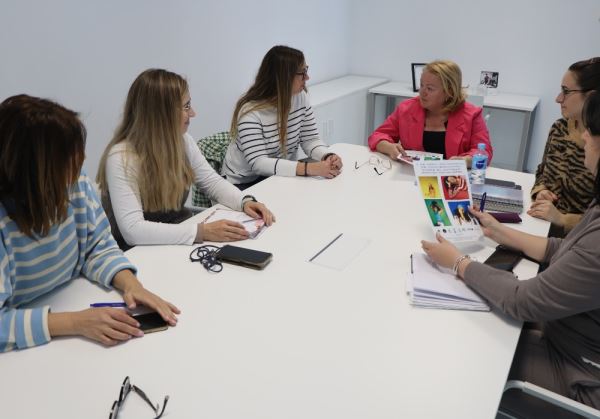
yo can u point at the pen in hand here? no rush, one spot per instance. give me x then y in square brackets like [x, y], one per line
[483, 198]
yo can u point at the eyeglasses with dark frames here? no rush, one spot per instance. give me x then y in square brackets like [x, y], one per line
[566, 92]
[303, 73]
[380, 166]
[127, 388]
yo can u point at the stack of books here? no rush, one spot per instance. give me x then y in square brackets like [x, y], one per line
[431, 286]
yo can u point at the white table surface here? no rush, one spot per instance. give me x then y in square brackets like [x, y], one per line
[293, 341]
[499, 100]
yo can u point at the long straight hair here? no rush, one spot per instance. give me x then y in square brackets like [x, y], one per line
[42, 148]
[151, 128]
[271, 89]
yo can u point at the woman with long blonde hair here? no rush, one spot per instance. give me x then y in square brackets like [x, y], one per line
[272, 120]
[148, 167]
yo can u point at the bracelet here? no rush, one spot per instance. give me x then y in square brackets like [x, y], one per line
[305, 168]
[457, 263]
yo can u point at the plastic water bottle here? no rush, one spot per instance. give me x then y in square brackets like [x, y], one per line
[478, 165]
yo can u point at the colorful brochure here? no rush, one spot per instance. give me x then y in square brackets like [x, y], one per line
[445, 189]
[414, 155]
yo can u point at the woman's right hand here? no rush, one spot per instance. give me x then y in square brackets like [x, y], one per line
[325, 168]
[489, 225]
[546, 195]
[108, 326]
[392, 150]
[221, 231]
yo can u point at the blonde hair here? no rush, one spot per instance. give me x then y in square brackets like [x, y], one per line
[271, 89]
[451, 77]
[151, 126]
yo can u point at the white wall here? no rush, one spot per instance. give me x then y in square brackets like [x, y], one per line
[86, 54]
[530, 43]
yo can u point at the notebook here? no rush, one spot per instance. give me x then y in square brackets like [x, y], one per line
[499, 198]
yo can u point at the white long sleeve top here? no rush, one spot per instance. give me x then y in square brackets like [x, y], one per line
[127, 205]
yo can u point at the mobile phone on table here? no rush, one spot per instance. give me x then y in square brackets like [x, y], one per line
[504, 258]
[249, 258]
[151, 322]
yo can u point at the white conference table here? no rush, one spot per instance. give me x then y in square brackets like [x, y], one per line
[296, 340]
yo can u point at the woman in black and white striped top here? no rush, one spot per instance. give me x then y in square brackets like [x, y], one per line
[271, 120]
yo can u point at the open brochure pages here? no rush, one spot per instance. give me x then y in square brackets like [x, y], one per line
[444, 187]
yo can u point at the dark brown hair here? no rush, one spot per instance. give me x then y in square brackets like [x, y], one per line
[42, 148]
[272, 88]
[587, 74]
[590, 116]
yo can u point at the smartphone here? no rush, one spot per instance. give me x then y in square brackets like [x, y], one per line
[249, 258]
[151, 322]
[504, 258]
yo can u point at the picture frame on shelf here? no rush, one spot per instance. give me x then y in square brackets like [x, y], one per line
[417, 70]
[489, 79]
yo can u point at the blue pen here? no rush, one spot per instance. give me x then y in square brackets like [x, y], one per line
[482, 205]
[97, 305]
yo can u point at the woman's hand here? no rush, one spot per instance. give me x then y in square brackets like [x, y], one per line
[134, 293]
[108, 326]
[259, 210]
[441, 252]
[546, 195]
[546, 210]
[335, 161]
[221, 231]
[392, 150]
[489, 225]
[323, 168]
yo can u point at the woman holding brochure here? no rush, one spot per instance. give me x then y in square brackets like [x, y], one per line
[53, 230]
[564, 354]
[563, 186]
[272, 120]
[439, 120]
[148, 167]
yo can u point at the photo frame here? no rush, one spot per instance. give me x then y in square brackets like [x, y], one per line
[417, 69]
[489, 79]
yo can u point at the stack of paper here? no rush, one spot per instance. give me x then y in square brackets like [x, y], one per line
[431, 286]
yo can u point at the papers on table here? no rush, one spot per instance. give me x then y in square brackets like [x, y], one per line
[414, 155]
[430, 286]
[445, 189]
[252, 225]
[339, 252]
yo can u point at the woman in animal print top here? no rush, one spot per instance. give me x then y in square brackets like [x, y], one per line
[563, 186]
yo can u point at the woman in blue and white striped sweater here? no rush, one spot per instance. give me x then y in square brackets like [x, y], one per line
[53, 229]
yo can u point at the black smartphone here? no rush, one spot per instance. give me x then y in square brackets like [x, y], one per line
[151, 322]
[249, 258]
[504, 258]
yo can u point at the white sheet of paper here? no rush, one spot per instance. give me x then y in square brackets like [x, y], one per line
[341, 252]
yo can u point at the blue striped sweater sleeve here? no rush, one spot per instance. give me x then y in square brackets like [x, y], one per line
[103, 258]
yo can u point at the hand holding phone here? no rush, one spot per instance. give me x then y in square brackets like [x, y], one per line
[151, 322]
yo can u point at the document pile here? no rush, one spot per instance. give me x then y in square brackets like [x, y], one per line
[431, 286]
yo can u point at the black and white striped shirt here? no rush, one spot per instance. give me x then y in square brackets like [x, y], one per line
[257, 152]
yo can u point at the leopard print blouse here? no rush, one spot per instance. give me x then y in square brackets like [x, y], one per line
[562, 171]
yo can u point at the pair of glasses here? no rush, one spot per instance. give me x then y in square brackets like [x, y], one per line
[380, 165]
[565, 92]
[303, 73]
[188, 106]
[127, 388]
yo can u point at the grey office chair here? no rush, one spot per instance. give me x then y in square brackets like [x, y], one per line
[550, 397]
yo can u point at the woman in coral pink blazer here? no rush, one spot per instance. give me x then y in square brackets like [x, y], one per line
[437, 121]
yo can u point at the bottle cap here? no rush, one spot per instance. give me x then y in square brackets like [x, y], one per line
[481, 146]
